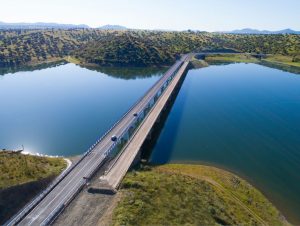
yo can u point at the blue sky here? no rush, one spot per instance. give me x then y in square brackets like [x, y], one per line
[209, 15]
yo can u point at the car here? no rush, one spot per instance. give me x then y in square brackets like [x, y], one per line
[135, 114]
[114, 138]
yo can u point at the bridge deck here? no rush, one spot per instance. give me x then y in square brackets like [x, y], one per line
[121, 166]
[72, 183]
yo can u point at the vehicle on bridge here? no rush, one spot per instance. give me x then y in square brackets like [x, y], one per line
[46, 207]
[114, 138]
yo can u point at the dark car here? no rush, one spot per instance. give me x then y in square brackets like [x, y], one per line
[114, 138]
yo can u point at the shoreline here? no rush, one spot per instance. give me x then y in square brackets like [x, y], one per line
[78, 62]
[69, 164]
[24, 176]
[140, 183]
[268, 194]
[272, 60]
[68, 160]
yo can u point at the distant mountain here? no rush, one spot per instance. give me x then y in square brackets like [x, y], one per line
[40, 25]
[112, 27]
[254, 31]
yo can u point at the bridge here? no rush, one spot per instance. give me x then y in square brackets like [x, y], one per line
[129, 134]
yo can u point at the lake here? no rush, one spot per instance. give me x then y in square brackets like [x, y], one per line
[244, 118]
[241, 117]
[64, 109]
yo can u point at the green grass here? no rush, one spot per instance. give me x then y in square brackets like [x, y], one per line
[238, 58]
[197, 63]
[16, 168]
[191, 195]
[285, 60]
[275, 59]
[72, 60]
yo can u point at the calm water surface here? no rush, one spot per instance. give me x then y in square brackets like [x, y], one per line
[242, 117]
[62, 110]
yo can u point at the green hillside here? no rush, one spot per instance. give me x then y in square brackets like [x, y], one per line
[24, 47]
[131, 47]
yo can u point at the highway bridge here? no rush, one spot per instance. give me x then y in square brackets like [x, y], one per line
[129, 133]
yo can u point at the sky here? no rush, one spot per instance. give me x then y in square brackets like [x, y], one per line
[204, 15]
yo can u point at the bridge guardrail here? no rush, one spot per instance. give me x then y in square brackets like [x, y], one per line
[22, 213]
[136, 119]
[130, 109]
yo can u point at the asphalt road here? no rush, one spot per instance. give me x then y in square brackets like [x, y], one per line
[65, 190]
[123, 163]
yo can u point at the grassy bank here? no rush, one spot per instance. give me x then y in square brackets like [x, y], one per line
[72, 60]
[285, 60]
[16, 168]
[280, 60]
[22, 177]
[192, 194]
[198, 63]
[238, 58]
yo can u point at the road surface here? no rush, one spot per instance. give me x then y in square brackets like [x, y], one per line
[66, 189]
[123, 163]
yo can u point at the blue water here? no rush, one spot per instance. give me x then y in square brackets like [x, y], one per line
[63, 110]
[242, 117]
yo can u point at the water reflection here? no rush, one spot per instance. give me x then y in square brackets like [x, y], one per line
[11, 70]
[282, 67]
[128, 72]
[63, 109]
[117, 72]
